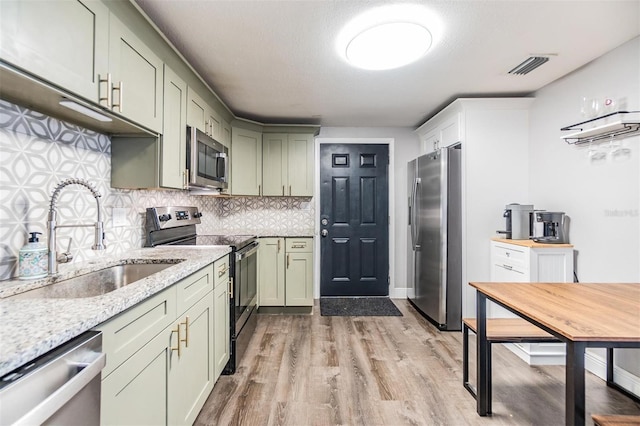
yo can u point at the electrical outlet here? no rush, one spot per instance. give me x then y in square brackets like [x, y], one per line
[119, 217]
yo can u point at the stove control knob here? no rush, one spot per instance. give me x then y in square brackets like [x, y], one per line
[164, 217]
[197, 214]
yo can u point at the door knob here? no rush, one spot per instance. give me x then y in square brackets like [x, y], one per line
[324, 232]
[324, 222]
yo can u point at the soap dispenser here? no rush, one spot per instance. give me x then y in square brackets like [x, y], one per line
[33, 259]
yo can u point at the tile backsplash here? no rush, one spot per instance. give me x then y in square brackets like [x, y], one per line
[37, 152]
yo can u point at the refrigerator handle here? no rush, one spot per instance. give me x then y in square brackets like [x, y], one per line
[414, 210]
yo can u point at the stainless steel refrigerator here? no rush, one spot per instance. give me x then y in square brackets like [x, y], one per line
[435, 237]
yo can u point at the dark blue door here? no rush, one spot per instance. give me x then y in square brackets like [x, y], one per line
[354, 220]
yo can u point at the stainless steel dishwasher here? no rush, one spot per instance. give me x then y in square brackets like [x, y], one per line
[61, 387]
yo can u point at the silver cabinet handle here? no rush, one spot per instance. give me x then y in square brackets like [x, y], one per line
[106, 99]
[119, 89]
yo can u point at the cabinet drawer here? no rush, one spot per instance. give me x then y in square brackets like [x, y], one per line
[512, 256]
[300, 245]
[221, 270]
[193, 288]
[126, 333]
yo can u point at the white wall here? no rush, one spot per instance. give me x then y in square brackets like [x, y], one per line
[603, 200]
[405, 148]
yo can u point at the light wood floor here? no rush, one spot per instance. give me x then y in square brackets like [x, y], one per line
[315, 370]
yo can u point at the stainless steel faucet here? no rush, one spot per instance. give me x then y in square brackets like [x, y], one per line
[53, 257]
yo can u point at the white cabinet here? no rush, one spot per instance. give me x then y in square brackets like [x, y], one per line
[285, 272]
[287, 164]
[494, 138]
[527, 261]
[441, 133]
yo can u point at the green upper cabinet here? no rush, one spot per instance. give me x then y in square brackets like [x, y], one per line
[288, 164]
[197, 110]
[246, 162]
[136, 78]
[274, 164]
[204, 118]
[300, 154]
[174, 135]
[64, 42]
[226, 134]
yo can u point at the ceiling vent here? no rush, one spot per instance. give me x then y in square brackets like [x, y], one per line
[529, 65]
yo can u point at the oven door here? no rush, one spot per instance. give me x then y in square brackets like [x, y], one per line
[207, 160]
[246, 284]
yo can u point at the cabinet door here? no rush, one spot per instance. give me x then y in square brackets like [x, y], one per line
[196, 111]
[246, 162]
[299, 279]
[450, 131]
[136, 392]
[65, 42]
[271, 281]
[215, 125]
[274, 164]
[300, 151]
[430, 141]
[125, 334]
[191, 374]
[221, 325]
[226, 134]
[138, 73]
[174, 136]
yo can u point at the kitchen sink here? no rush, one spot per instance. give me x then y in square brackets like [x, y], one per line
[96, 283]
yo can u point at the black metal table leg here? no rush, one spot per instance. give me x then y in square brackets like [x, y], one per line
[482, 382]
[575, 382]
[610, 366]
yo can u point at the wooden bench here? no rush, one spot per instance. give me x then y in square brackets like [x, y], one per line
[499, 330]
[607, 420]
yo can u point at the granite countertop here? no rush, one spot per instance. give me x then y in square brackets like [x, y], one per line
[32, 327]
[271, 232]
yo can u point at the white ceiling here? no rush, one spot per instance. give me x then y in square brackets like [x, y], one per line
[276, 62]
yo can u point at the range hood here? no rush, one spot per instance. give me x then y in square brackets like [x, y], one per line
[24, 89]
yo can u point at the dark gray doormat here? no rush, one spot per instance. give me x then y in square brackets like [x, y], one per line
[358, 307]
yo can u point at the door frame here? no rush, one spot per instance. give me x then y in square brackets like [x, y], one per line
[393, 292]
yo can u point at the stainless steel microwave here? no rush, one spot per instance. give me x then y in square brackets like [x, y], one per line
[207, 161]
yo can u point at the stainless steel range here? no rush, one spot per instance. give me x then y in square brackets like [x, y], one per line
[177, 226]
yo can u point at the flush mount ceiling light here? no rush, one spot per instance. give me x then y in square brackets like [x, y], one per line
[389, 37]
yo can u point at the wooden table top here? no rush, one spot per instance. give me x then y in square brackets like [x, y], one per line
[579, 312]
[530, 243]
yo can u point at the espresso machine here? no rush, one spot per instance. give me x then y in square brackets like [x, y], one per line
[519, 221]
[553, 229]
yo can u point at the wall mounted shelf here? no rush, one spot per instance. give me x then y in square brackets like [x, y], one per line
[624, 124]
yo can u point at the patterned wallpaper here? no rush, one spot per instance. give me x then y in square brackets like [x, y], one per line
[37, 152]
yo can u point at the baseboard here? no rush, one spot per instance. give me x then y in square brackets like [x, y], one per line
[598, 366]
[397, 293]
[537, 358]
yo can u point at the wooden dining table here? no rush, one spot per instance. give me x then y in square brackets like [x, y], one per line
[605, 315]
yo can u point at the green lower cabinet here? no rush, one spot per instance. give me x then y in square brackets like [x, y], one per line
[286, 272]
[136, 392]
[299, 279]
[271, 259]
[161, 364]
[191, 374]
[221, 333]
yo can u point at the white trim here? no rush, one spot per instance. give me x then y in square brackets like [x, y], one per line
[391, 194]
[598, 366]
